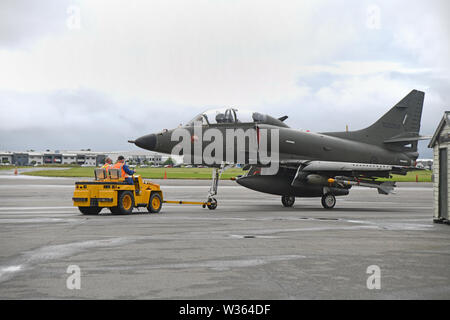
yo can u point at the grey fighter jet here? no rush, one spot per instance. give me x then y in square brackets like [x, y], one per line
[324, 164]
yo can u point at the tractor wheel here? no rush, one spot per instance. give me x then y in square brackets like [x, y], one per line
[114, 210]
[328, 201]
[90, 211]
[155, 203]
[288, 201]
[125, 203]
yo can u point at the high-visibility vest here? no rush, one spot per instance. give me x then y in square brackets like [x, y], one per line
[106, 166]
[119, 165]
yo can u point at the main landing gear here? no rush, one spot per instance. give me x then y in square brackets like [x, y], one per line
[288, 201]
[328, 200]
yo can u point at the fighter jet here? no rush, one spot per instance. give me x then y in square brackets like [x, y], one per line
[308, 164]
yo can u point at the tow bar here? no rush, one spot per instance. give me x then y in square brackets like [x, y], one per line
[210, 204]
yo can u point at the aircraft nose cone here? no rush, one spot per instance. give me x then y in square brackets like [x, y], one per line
[146, 142]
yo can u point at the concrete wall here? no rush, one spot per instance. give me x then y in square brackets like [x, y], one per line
[436, 165]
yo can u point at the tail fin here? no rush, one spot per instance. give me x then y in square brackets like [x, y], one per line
[397, 130]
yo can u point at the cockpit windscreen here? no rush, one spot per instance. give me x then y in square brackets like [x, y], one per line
[227, 115]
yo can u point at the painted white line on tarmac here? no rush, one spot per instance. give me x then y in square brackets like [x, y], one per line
[38, 220]
[33, 208]
[39, 186]
[21, 215]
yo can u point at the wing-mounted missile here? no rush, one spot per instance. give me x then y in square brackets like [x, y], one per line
[386, 187]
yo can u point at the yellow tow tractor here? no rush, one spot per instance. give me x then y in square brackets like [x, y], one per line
[109, 190]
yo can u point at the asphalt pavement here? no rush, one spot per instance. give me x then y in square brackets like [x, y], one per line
[250, 247]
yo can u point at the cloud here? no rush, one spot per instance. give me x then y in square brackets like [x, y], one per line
[22, 22]
[205, 52]
[141, 66]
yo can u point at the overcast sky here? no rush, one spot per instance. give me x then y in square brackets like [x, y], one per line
[93, 74]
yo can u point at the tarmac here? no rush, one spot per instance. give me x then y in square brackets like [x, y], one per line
[250, 247]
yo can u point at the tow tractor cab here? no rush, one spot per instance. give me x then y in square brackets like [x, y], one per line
[109, 190]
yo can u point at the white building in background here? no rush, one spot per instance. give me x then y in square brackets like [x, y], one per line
[424, 163]
[35, 158]
[69, 158]
[90, 160]
[82, 157]
[137, 157]
[175, 159]
[6, 157]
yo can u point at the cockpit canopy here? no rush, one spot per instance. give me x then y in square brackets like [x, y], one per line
[232, 115]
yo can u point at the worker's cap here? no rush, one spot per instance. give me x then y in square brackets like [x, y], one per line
[120, 158]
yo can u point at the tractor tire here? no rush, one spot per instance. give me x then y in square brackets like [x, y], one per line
[114, 210]
[90, 211]
[125, 202]
[155, 203]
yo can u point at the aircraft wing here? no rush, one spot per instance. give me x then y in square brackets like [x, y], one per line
[347, 167]
[345, 174]
[367, 169]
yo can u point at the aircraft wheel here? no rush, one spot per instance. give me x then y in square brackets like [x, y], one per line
[90, 211]
[328, 201]
[213, 204]
[288, 201]
[155, 203]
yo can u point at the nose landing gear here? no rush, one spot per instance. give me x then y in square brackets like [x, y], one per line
[217, 172]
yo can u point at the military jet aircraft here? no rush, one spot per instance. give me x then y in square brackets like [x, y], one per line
[324, 164]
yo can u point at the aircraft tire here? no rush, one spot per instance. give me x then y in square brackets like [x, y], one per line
[213, 204]
[328, 201]
[288, 201]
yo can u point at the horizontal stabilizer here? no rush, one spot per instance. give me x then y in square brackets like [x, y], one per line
[406, 138]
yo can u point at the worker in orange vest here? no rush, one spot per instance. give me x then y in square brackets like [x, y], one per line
[126, 172]
[108, 164]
